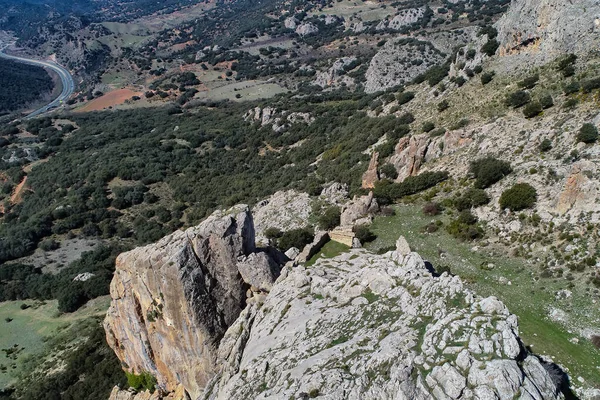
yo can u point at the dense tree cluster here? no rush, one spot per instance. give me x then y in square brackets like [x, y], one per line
[21, 84]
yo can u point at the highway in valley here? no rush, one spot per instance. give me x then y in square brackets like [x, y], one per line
[68, 85]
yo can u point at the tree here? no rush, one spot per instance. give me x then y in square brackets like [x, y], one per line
[389, 171]
[488, 171]
[364, 234]
[517, 99]
[330, 218]
[518, 197]
[588, 133]
[297, 238]
[532, 109]
[545, 145]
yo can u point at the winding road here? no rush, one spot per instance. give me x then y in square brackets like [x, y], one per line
[68, 85]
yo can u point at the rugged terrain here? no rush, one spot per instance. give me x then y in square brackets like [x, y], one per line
[358, 325]
[468, 127]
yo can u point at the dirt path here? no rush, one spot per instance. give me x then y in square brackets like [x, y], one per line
[17, 196]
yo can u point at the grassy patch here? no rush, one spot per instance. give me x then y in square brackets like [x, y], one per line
[30, 328]
[330, 250]
[526, 296]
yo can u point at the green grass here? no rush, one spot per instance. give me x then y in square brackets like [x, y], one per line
[330, 250]
[526, 297]
[30, 328]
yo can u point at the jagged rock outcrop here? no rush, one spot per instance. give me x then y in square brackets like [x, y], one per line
[403, 18]
[580, 190]
[546, 29]
[358, 211]
[173, 301]
[412, 152]
[336, 74]
[371, 175]
[279, 120]
[284, 210]
[366, 326]
[399, 61]
[409, 155]
[306, 28]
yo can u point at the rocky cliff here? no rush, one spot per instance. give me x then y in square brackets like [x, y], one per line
[174, 300]
[357, 326]
[549, 28]
[366, 326]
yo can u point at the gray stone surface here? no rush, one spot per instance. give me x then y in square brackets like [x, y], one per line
[365, 326]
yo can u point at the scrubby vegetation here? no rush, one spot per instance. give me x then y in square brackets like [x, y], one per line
[519, 197]
[588, 133]
[21, 84]
[387, 192]
[488, 171]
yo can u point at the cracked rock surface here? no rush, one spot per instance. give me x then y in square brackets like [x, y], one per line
[366, 326]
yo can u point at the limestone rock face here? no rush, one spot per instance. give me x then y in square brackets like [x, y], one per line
[579, 192]
[336, 73]
[392, 65]
[357, 211]
[366, 326]
[409, 155]
[371, 175]
[285, 210]
[172, 301]
[548, 28]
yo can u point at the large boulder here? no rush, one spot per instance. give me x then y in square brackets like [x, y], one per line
[172, 301]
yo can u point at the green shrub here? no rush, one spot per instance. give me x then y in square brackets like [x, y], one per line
[386, 192]
[532, 109]
[546, 101]
[571, 87]
[471, 198]
[465, 231]
[49, 245]
[490, 47]
[437, 132]
[518, 197]
[389, 171]
[570, 103]
[428, 126]
[545, 145]
[487, 77]
[330, 218]
[364, 234]
[460, 124]
[443, 105]
[488, 171]
[405, 119]
[144, 381]
[405, 97]
[529, 82]
[517, 99]
[273, 233]
[590, 85]
[434, 75]
[588, 133]
[297, 238]
[399, 131]
[565, 65]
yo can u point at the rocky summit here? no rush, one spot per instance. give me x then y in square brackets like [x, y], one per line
[356, 326]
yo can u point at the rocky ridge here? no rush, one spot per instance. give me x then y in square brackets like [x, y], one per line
[210, 316]
[366, 326]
